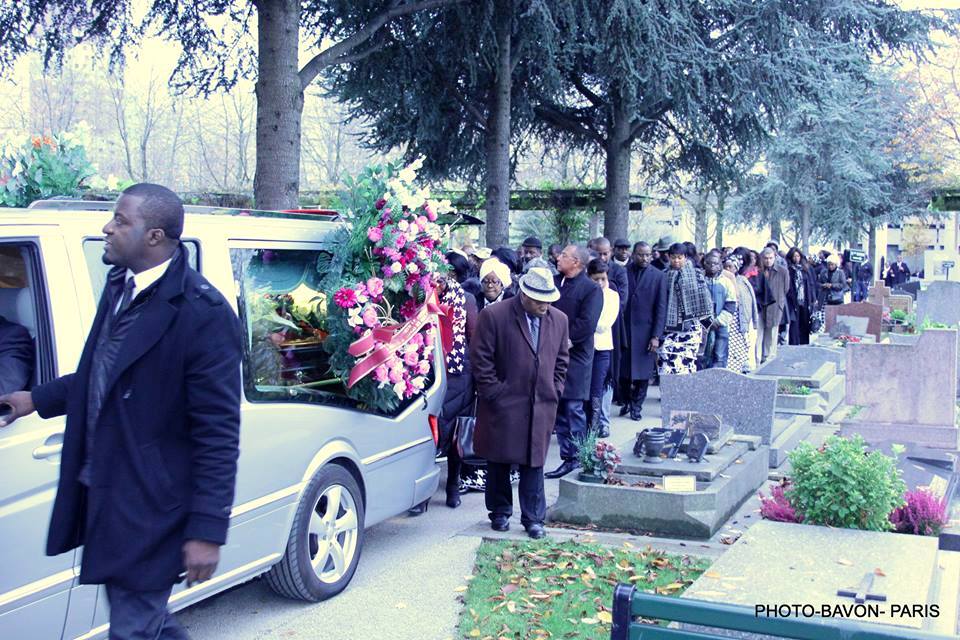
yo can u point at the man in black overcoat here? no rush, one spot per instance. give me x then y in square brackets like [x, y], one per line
[643, 322]
[150, 449]
[581, 300]
[16, 357]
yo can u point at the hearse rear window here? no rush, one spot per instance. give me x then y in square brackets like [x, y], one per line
[283, 313]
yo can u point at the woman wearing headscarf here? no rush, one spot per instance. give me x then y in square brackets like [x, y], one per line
[688, 303]
[496, 284]
[833, 281]
[801, 296]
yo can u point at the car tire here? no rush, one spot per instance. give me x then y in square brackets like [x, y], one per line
[325, 541]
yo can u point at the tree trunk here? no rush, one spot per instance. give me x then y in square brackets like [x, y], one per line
[276, 183]
[700, 229]
[498, 133]
[776, 231]
[721, 203]
[805, 229]
[595, 226]
[872, 250]
[616, 205]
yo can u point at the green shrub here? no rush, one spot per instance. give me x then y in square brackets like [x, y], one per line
[841, 485]
[43, 167]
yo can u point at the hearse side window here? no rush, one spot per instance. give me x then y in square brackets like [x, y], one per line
[283, 314]
[93, 253]
[26, 338]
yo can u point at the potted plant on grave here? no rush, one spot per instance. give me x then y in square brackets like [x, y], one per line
[598, 459]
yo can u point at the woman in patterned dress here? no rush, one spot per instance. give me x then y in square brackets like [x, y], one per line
[457, 325]
[688, 303]
[746, 319]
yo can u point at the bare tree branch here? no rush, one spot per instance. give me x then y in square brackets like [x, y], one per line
[339, 52]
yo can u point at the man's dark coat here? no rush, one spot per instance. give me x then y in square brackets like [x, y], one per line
[645, 317]
[16, 357]
[581, 300]
[619, 282]
[518, 387]
[166, 443]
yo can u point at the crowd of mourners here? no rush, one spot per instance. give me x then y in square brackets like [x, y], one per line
[634, 312]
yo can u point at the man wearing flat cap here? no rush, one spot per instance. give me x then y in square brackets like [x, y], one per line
[530, 249]
[519, 356]
[621, 252]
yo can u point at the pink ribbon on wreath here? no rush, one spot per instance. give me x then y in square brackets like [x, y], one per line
[377, 346]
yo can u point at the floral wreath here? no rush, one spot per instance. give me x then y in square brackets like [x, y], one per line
[383, 326]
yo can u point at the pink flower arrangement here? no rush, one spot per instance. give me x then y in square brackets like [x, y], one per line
[401, 260]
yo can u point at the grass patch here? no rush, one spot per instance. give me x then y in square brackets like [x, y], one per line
[550, 589]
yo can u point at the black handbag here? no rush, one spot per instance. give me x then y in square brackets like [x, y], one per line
[464, 441]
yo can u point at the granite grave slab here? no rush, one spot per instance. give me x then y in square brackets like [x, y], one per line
[746, 403]
[776, 562]
[900, 388]
[873, 313]
[939, 302]
[911, 338]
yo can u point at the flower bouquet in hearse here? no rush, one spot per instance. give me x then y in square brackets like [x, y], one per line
[362, 321]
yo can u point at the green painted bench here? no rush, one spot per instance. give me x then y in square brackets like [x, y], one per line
[629, 603]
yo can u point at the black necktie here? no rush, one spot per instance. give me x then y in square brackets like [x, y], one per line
[127, 296]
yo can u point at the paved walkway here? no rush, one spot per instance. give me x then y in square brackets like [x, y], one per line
[405, 585]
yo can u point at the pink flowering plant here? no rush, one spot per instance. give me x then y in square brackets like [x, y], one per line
[922, 514]
[383, 272]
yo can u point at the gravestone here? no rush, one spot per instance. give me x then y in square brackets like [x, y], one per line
[780, 563]
[692, 422]
[900, 389]
[746, 403]
[849, 326]
[908, 289]
[806, 367]
[873, 313]
[911, 339]
[900, 303]
[878, 293]
[939, 302]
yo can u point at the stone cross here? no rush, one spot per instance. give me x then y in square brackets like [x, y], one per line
[879, 293]
[861, 593]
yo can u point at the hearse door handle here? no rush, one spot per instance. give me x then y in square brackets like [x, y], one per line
[52, 446]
